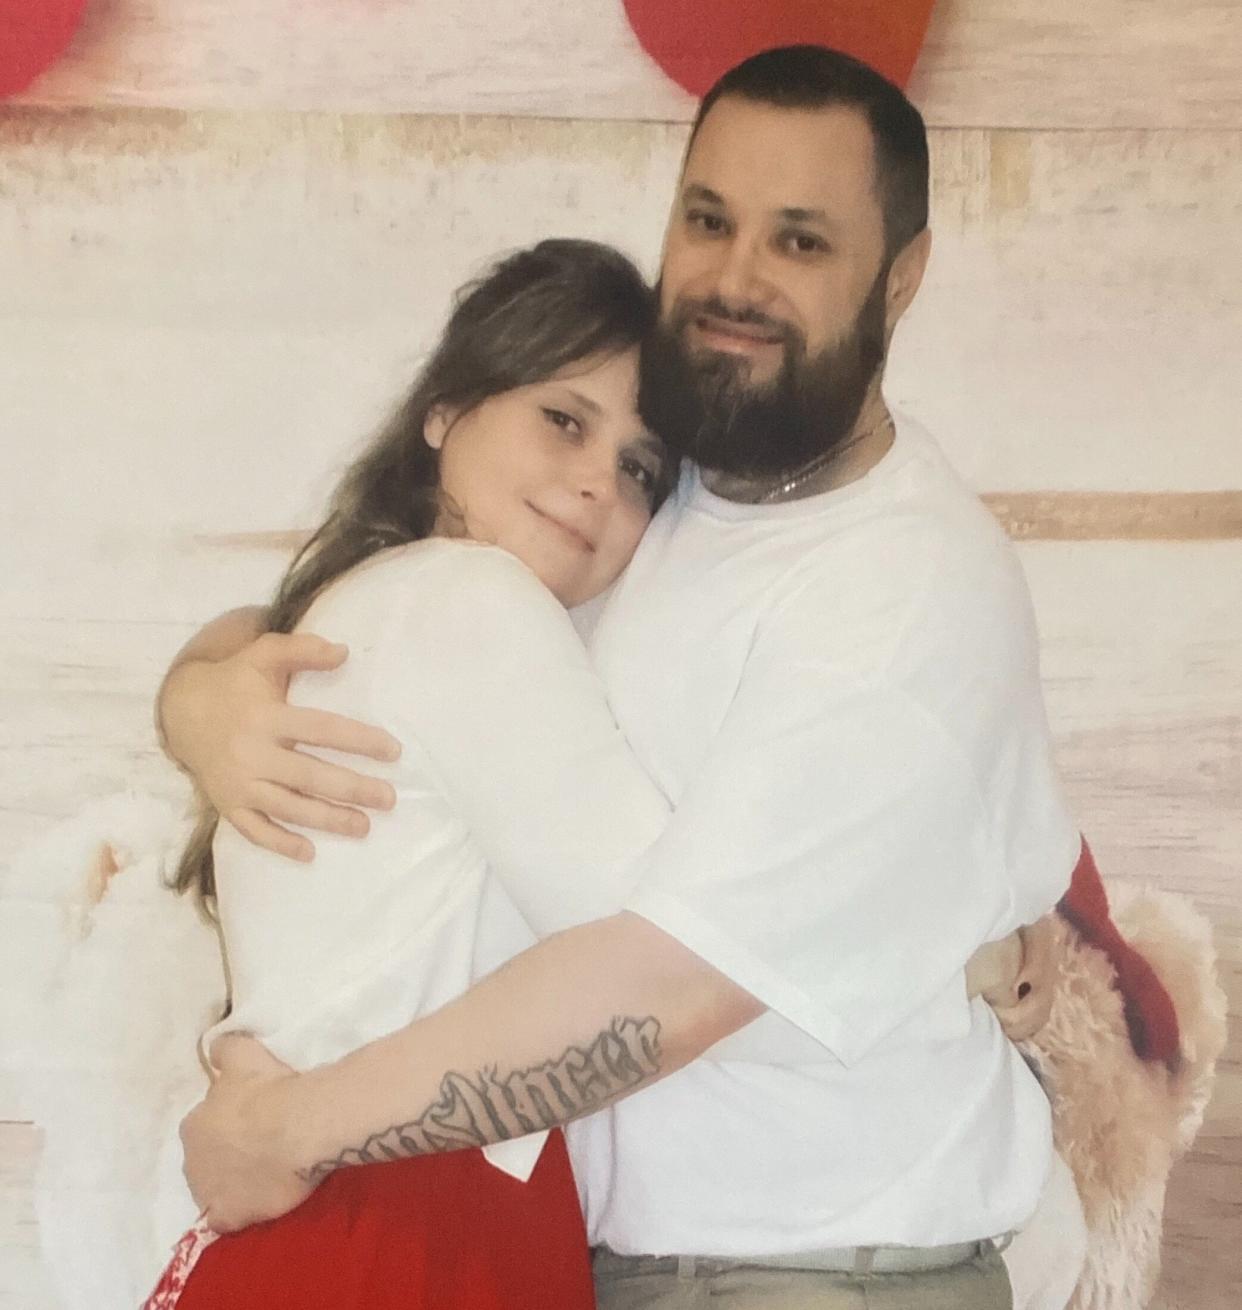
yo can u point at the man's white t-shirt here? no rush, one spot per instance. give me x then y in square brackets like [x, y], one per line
[841, 698]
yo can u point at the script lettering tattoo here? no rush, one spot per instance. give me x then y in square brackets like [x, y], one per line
[491, 1107]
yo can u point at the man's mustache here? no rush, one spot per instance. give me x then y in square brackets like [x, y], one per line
[743, 316]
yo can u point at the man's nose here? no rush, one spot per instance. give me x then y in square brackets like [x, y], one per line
[739, 273]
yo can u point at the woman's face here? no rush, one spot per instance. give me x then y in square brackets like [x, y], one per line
[559, 473]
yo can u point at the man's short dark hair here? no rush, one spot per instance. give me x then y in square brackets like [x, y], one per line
[814, 77]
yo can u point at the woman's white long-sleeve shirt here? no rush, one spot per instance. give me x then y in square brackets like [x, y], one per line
[511, 762]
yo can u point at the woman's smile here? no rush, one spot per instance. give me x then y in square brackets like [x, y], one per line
[574, 535]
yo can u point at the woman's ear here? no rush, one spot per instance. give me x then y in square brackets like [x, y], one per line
[436, 425]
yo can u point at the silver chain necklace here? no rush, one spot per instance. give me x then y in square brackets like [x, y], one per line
[803, 475]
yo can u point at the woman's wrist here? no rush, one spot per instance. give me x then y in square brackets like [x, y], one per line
[309, 1118]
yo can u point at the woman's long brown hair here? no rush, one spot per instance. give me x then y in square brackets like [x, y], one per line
[534, 313]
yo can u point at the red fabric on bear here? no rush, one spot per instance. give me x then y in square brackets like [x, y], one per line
[1149, 1011]
[33, 36]
[695, 41]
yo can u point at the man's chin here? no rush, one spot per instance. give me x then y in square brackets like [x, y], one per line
[737, 379]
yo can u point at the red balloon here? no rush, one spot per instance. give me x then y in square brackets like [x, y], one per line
[695, 41]
[33, 36]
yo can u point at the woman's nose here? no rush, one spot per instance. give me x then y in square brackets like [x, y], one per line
[596, 477]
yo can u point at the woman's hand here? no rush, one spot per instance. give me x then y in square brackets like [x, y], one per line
[228, 723]
[232, 1139]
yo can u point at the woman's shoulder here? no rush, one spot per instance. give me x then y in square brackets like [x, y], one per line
[444, 565]
[441, 580]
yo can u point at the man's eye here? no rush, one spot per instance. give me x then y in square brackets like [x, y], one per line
[805, 243]
[558, 418]
[706, 221]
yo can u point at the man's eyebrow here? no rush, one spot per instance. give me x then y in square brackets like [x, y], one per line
[793, 214]
[697, 191]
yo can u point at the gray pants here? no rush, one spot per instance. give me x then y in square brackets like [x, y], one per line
[652, 1283]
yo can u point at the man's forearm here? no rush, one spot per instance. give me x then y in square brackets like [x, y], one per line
[579, 1021]
[218, 640]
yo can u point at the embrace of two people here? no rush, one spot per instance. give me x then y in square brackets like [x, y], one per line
[684, 948]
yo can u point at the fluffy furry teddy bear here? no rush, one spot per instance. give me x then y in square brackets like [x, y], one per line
[110, 994]
[1120, 1121]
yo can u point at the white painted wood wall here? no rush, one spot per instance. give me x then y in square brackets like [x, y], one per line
[226, 236]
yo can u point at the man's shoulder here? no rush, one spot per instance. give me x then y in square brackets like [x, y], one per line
[920, 558]
[925, 527]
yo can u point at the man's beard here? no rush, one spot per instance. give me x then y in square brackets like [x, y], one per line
[704, 406]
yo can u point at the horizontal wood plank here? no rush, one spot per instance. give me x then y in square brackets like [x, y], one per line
[988, 63]
[1025, 516]
[1123, 516]
[24, 1282]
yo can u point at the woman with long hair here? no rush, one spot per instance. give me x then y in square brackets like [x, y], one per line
[515, 481]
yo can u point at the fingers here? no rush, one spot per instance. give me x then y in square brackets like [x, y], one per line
[303, 773]
[336, 732]
[239, 1053]
[227, 1054]
[259, 830]
[289, 652]
[281, 805]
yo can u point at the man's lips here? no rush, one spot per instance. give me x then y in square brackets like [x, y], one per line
[722, 334]
[580, 539]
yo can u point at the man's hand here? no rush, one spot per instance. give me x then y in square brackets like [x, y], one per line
[228, 723]
[1015, 976]
[1027, 1008]
[232, 1139]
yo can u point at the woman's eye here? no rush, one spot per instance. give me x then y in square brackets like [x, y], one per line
[558, 418]
[644, 476]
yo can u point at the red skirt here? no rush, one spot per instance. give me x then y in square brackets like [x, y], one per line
[444, 1232]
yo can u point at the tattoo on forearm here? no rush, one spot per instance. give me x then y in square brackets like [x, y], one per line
[491, 1107]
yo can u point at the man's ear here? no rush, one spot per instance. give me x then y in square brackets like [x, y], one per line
[905, 277]
[436, 425]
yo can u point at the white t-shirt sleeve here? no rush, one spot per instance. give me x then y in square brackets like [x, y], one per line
[833, 854]
[485, 675]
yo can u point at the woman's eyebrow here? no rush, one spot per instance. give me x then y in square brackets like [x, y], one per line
[585, 401]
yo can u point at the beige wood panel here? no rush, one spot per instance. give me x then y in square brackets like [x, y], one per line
[1078, 328]
[204, 313]
[24, 1283]
[1062, 63]
[986, 63]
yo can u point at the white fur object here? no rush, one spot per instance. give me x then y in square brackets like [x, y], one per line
[104, 1047]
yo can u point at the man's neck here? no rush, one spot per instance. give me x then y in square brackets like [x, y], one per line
[868, 442]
